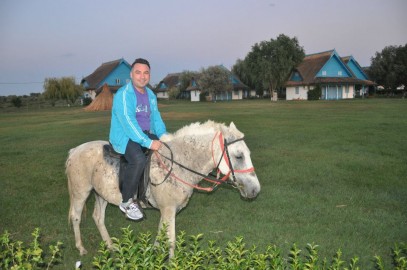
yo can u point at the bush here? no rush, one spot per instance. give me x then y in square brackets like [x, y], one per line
[86, 101]
[13, 255]
[173, 93]
[17, 102]
[142, 252]
[315, 94]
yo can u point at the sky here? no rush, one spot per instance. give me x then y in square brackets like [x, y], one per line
[58, 38]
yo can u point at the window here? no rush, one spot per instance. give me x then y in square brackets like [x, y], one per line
[117, 81]
[340, 73]
[297, 90]
[324, 73]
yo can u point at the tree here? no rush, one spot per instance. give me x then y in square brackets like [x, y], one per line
[173, 92]
[401, 66]
[214, 80]
[185, 79]
[389, 67]
[16, 101]
[240, 69]
[62, 88]
[269, 63]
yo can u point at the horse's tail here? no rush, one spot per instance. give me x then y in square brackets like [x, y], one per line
[67, 167]
[69, 183]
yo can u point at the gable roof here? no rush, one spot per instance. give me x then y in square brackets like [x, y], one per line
[355, 67]
[313, 64]
[193, 86]
[168, 82]
[93, 80]
[236, 82]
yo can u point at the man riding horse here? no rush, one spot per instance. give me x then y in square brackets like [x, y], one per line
[136, 125]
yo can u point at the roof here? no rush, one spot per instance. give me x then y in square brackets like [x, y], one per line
[236, 82]
[313, 63]
[103, 101]
[193, 86]
[168, 82]
[93, 80]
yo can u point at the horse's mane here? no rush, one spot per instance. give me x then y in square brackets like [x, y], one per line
[198, 128]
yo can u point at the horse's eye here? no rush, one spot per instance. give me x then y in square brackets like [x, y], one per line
[239, 157]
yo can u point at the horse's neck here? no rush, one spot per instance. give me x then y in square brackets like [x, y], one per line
[195, 153]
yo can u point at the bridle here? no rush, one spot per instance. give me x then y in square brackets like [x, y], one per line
[215, 180]
[225, 155]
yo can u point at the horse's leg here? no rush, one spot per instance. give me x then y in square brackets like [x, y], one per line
[168, 218]
[75, 212]
[99, 218]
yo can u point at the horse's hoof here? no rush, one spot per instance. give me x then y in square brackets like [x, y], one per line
[83, 251]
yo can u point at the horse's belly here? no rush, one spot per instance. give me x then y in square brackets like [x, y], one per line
[106, 184]
[168, 195]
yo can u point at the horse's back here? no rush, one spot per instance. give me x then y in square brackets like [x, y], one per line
[88, 168]
[84, 156]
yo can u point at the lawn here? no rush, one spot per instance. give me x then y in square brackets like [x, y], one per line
[333, 173]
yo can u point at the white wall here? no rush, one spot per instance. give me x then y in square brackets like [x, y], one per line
[302, 93]
[195, 95]
[90, 93]
[237, 94]
[162, 95]
[351, 92]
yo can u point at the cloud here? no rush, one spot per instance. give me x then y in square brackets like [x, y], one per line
[67, 55]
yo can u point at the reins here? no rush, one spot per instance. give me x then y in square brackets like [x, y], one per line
[215, 180]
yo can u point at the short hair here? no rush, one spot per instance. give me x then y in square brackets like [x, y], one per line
[140, 61]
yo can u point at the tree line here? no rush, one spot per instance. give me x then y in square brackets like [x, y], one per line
[265, 68]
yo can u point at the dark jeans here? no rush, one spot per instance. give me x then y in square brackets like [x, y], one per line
[133, 171]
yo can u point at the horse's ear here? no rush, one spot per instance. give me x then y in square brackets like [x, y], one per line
[233, 129]
[232, 125]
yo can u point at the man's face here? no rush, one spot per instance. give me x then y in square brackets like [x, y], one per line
[140, 76]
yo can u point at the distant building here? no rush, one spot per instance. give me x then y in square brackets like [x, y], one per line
[114, 74]
[193, 91]
[163, 87]
[339, 78]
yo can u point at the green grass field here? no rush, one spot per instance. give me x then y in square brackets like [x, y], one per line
[332, 173]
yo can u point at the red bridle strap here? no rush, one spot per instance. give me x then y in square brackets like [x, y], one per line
[226, 156]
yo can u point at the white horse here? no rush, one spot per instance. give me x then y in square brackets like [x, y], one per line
[197, 150]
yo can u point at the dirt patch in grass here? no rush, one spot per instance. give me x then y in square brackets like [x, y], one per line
[183, 115]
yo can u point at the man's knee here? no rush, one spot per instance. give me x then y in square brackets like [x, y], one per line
[140, 161]
[137, 160]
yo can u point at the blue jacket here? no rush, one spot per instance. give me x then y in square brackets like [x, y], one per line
[124, 126]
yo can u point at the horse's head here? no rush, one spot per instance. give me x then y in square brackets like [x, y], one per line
[236, 162]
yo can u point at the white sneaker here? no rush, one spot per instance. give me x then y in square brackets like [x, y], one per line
[131, 209]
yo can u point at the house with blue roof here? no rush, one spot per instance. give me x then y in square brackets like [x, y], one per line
[164, 86]
[339, 78]
[114, 74]
[193, 91]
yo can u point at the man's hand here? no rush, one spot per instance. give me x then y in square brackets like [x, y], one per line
[155, 145]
